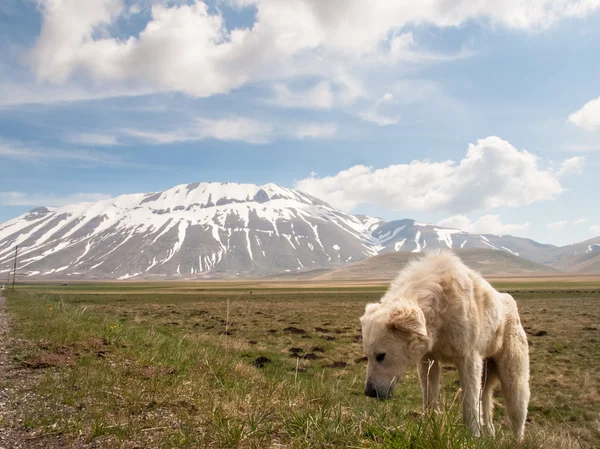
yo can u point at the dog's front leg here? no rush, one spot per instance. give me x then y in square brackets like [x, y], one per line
[470, 370]
[429, 375]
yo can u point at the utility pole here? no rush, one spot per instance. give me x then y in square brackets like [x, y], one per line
[15, 268]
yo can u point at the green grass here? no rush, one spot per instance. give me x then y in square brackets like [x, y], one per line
[137, 367]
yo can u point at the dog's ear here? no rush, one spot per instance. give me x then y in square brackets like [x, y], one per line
[409, 323]
[369, 309]
[407, 320]
[372, 307]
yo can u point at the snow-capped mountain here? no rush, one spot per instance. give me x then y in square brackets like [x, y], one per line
[410, 235]
[215, 229]
[189, 231]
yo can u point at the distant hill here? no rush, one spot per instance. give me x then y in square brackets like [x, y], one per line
[586, 263]
[583, 257]
[485, 261]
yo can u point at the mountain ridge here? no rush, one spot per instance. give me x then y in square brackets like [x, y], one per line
[209, 230]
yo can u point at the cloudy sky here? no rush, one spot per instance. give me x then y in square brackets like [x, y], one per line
[482, 115]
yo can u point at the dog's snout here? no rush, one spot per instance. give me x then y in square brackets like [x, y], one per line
[370, 390]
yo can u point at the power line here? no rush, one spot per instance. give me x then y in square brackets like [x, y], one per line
[15, 267]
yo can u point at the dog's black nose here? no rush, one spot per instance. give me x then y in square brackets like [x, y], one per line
[370, 391]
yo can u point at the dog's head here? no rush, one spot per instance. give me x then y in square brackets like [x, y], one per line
[394, 337]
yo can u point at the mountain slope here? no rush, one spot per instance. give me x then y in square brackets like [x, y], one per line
[583, 257]
[486, 261]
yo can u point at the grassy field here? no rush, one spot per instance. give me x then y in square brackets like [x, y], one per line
[263, 365]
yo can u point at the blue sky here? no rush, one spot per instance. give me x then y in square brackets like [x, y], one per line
[370, 105]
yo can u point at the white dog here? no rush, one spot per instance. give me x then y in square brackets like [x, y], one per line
[439, 310]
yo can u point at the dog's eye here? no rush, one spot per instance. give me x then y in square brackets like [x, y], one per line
[380, 357]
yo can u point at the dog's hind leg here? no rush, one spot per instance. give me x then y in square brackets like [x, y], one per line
[429, 375]
[489, 382]
[470, 370]
[513, 369]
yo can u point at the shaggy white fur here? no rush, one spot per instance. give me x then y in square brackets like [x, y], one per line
[439, 310]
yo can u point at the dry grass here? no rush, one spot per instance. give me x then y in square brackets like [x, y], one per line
[253, 366]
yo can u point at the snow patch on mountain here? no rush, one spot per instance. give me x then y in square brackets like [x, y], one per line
[445, 235]
[398, 245]
[417, 242]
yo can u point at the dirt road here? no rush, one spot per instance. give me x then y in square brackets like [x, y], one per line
[9, 437]
[5, 364]
[13, 379]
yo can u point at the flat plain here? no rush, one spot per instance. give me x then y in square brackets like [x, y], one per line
[268, 364]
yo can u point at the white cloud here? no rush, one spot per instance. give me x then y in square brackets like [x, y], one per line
[406, 101]
[43, 199]
[233, 129]
[227, 129]
[244, 129]
[27, 152]
[581, 221]
[403, 49]
[188, 47]
[493, 173]
[379, 119]
[557, 224]
[487, 224]
[387, 97]
[180, 46]
[458, 221]
[588, 117]
[314, 130]
[571, 166]
[400, 46]
[319, 97]
[93, 139]
[13, 93]
[595, 228]
[374, 116]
